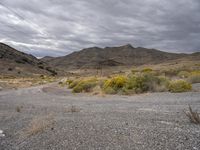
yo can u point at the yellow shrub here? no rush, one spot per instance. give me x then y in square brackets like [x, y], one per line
[195, 72]
[114, 84]
[73, 84]
[147, 70]
[69, 81]
[179, 86]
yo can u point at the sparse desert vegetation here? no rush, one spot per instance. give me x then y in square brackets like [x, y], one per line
[102, 119]
[22, 82]
[138, 81]
[38, 124]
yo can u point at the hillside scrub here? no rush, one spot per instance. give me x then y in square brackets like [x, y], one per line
[146, 80]
[139, 83]
[131, 84]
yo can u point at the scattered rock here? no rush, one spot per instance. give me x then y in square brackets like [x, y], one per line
[1, 133]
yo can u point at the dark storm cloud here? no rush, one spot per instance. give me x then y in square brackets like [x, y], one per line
[58, 27]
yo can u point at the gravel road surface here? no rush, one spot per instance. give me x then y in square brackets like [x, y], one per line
[53, 118]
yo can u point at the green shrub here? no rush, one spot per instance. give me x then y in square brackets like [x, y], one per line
[85, 85]
[60, 83]
[183, 74]
[147, 70]
[179, 86]
[69, 81]
[136, 83]
[73, 84]
[114, 84]
[133, 71]
[146, 82]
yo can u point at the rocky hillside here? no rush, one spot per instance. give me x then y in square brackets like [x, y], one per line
[16, 63]
[125, 55]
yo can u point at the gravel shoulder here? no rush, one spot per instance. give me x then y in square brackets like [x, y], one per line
[51, 117]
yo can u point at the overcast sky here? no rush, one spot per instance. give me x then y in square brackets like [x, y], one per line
[59, 27]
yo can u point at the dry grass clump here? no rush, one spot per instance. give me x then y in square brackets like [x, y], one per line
[183, 74]
[170, 72]
[193, 116]
[39, 124]
[18, 108]
[26, 81]
[179, 86]
[97, 90]
[45, 79]
[194, 77]
[73, 109]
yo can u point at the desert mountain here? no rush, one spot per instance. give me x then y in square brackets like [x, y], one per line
[14, 62]
[125, 55]
[46, 58]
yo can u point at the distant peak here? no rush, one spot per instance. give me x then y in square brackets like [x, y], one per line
[128, 46]
[91, 48]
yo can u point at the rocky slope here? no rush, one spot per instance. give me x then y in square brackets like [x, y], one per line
[16, 63]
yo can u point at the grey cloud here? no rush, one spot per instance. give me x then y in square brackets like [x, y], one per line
[59, 27]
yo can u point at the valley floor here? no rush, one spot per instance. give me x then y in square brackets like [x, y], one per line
[50, 117]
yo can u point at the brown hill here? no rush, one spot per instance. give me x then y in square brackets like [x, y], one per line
[114, 56]
[46, 58]
[16, 63]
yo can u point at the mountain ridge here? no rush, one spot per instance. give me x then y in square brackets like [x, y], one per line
[125, 55]
[14, 62]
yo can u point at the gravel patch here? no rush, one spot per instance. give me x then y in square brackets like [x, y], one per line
[147, 121]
